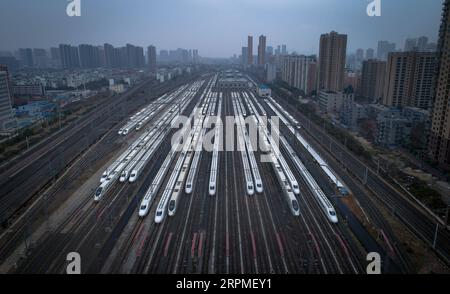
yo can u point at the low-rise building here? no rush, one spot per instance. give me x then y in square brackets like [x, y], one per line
[264, 91]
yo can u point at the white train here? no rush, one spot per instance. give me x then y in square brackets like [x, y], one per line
[250, 154]
[249, 185]
[173, 202]
[194, 166]
[215, 158]
[292, 202]
[156, 184]
[321, 198]
[323, 165]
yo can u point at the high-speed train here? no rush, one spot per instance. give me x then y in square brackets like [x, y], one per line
[323, 201]
[156, 184]
[292, 202]
[102, 190]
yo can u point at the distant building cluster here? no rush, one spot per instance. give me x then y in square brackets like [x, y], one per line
[398, 95]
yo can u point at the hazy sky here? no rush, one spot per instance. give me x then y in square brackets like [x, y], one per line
[218, 28]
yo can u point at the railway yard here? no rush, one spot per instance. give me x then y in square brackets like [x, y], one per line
[140, 196]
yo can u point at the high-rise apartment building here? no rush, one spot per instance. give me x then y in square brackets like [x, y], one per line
[244, 55]
[384, 47]
[250, 50]
[6, 112]
[151, 55]
[332, 54]
[89, 56]
[69, 56]
[409, 79]
[439, 145]
[262, 50]
[300, 72]
[370, 53]
[372, 80]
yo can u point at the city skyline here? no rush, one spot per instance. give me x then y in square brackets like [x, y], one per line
[196, 24]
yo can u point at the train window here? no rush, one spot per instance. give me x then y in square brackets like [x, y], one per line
[158, 213]
[295, 205]
[99, 191]
[143, 207]
[211, 187]
[188, 185]
[332, 213]
[259, 185]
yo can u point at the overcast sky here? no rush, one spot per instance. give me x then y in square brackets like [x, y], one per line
[218, 28]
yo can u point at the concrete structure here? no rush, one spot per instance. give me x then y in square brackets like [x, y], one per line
[250, 50]
[351, 111]
[117, 88]
[69, 56]
[440, 129]
[271, 72]
[300, 72]
[244, 56]
[410, 45]
[384, 47]
[151, 55]
[395, 127]
[264, 91]
[331, 102]
[409, 79]
[372, 79]
[29, 90]
[26, 57]
[232, 79]
[262, 50]
[6, 112]
[370, 53]
[332, 54]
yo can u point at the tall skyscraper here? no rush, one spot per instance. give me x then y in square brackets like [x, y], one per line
[410, 44]
[300, 72]
[26, 57]
[89, 56]
[250, 50]
[40, 58]
[439, 145]
[278, 50]
[409, 79]
[370, 53]
[422, 43]
[262, 50]
[284, 50]
[135, 56]
[359, 55]
[6, 112]
[384, 47]
[69, 56]
[372, 80]
[195, 56]
[332, 54]
[110, 56]
[151, 54]
[244, 55]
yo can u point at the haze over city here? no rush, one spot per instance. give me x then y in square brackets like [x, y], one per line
[217, 28]
[225, 137]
